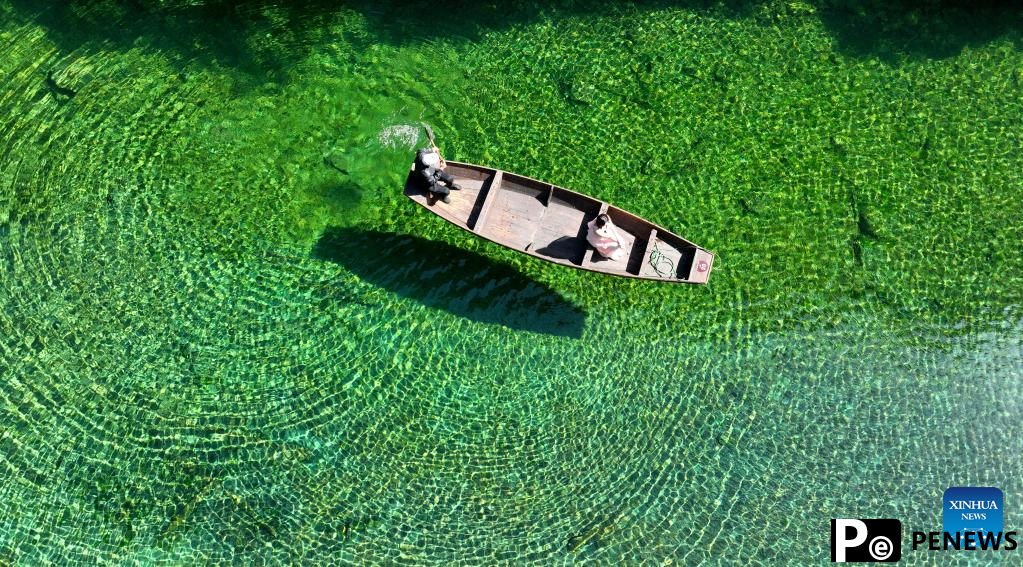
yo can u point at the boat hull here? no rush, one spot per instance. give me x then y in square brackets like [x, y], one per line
[549, 222]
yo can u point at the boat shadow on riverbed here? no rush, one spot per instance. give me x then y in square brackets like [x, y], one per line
[446, 277]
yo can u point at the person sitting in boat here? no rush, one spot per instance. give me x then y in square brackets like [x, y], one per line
[429, 172]
[604, 237]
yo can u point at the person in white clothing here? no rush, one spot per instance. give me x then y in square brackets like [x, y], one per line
[604, 237]
[429, 170]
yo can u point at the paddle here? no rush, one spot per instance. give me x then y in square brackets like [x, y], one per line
[429, 133]
[433, 144]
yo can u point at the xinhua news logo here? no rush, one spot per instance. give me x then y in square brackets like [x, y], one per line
[972, 520]
[866, 540]
[976, 510]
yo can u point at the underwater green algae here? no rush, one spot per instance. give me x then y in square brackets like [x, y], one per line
[226, 337]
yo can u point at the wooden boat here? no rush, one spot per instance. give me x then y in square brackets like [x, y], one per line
[549, 222]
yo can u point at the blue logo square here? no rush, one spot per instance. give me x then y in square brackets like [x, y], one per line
[972, 509]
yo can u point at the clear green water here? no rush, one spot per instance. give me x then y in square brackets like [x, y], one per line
[226, 338]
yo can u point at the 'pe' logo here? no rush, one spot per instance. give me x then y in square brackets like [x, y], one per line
[866, 540]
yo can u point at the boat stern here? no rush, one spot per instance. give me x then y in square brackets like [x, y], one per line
[699, 272]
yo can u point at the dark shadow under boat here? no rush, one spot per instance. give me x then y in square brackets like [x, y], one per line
[446, 277]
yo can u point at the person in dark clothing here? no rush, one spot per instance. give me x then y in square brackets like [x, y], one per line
[430, 174]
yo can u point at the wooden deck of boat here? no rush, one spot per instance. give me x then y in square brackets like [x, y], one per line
[549, 222]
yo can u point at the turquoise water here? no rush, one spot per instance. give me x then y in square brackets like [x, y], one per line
[225, 337]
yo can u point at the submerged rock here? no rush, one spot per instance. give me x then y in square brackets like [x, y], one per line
[864, 226]
[337, 160]
[58, 88]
